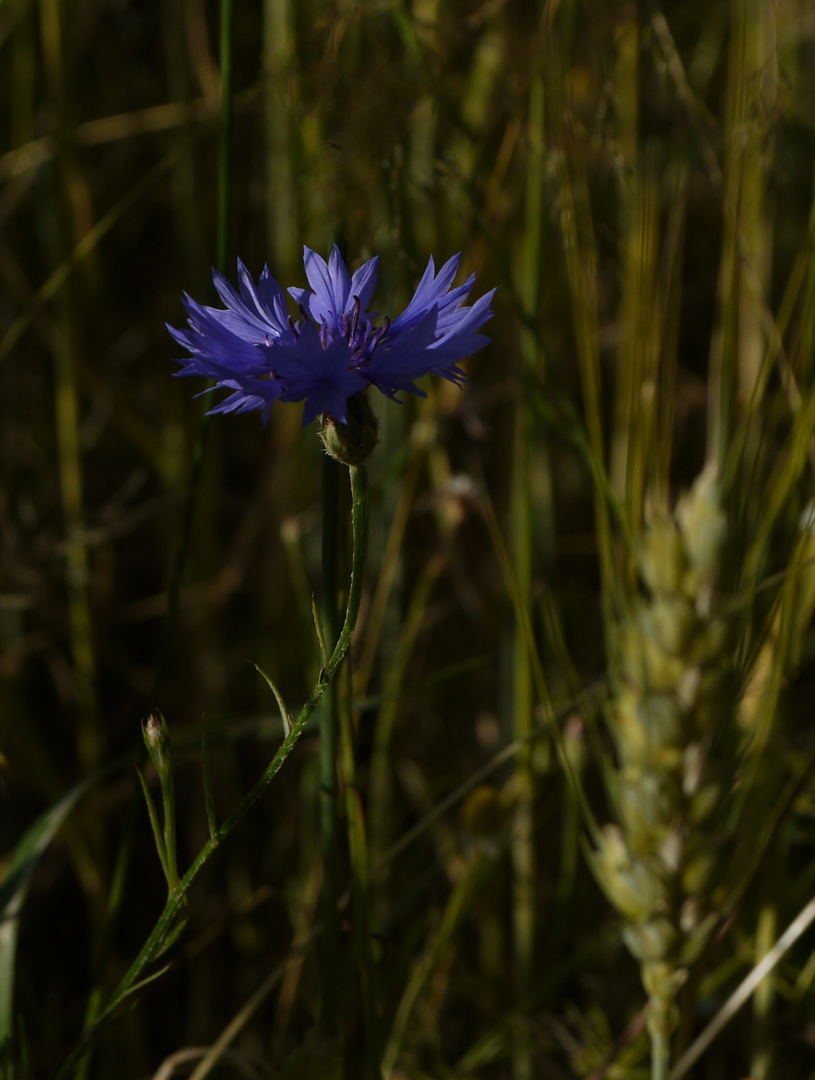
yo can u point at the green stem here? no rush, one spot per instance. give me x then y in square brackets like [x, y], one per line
[174, 906]
[116, 895]
[660, 1056]
[522, 847]
[225, 135]
[170, 848]
[328, 718]
[360, 884]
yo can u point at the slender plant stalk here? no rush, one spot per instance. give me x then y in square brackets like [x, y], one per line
[279, 60]
[522, 704]
[238, 1022]
[753, 75]
[808, 314]
[577, 231]
[422, 203]
[183, 175]
[134, 978]
[738, 344]
[92, 1017]
[328, 719]
[742, 993]
[88, 854]
[439, 942]
[360, 875]
[115, 901]
[387, 576]
[64, 349]
[119, 881]
[222, 247]
[523, 850]
[225, 135]
[660, 1057]
[78, 568]
[626, 36]
[380, 809]
[303, 931]
[763, 999]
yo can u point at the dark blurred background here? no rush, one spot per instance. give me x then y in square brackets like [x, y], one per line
[396, 129]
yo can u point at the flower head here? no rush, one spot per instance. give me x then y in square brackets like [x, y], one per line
[256, 350]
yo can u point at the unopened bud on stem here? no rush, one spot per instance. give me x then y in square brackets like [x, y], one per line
[353, 442]
[156, 735]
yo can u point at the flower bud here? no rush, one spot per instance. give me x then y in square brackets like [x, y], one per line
[353, 442]
[156, 736]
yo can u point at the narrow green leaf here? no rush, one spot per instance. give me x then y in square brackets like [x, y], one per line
[158, 834]
[212, 820]
[13, 891]
[285, 715]
[318, 626]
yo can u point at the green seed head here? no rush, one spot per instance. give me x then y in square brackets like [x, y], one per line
[704, 529]
[651, 941]
[662, 556]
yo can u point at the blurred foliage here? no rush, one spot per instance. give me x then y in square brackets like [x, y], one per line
[637, 182]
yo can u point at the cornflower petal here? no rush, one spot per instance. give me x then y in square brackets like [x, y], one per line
[331, 283]
[267, 297]
[363, 283]
[214, 347]
[335, 293]
[322, 376]
[253, 316]
[272, 296]
[397, 362]
[244, 400]
[457, 335]
[255, 350]
[432, 291]
[431, 339]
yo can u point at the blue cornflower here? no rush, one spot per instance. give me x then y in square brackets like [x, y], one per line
[255, 349]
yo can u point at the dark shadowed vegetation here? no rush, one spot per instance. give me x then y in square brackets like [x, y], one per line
[575, 802]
